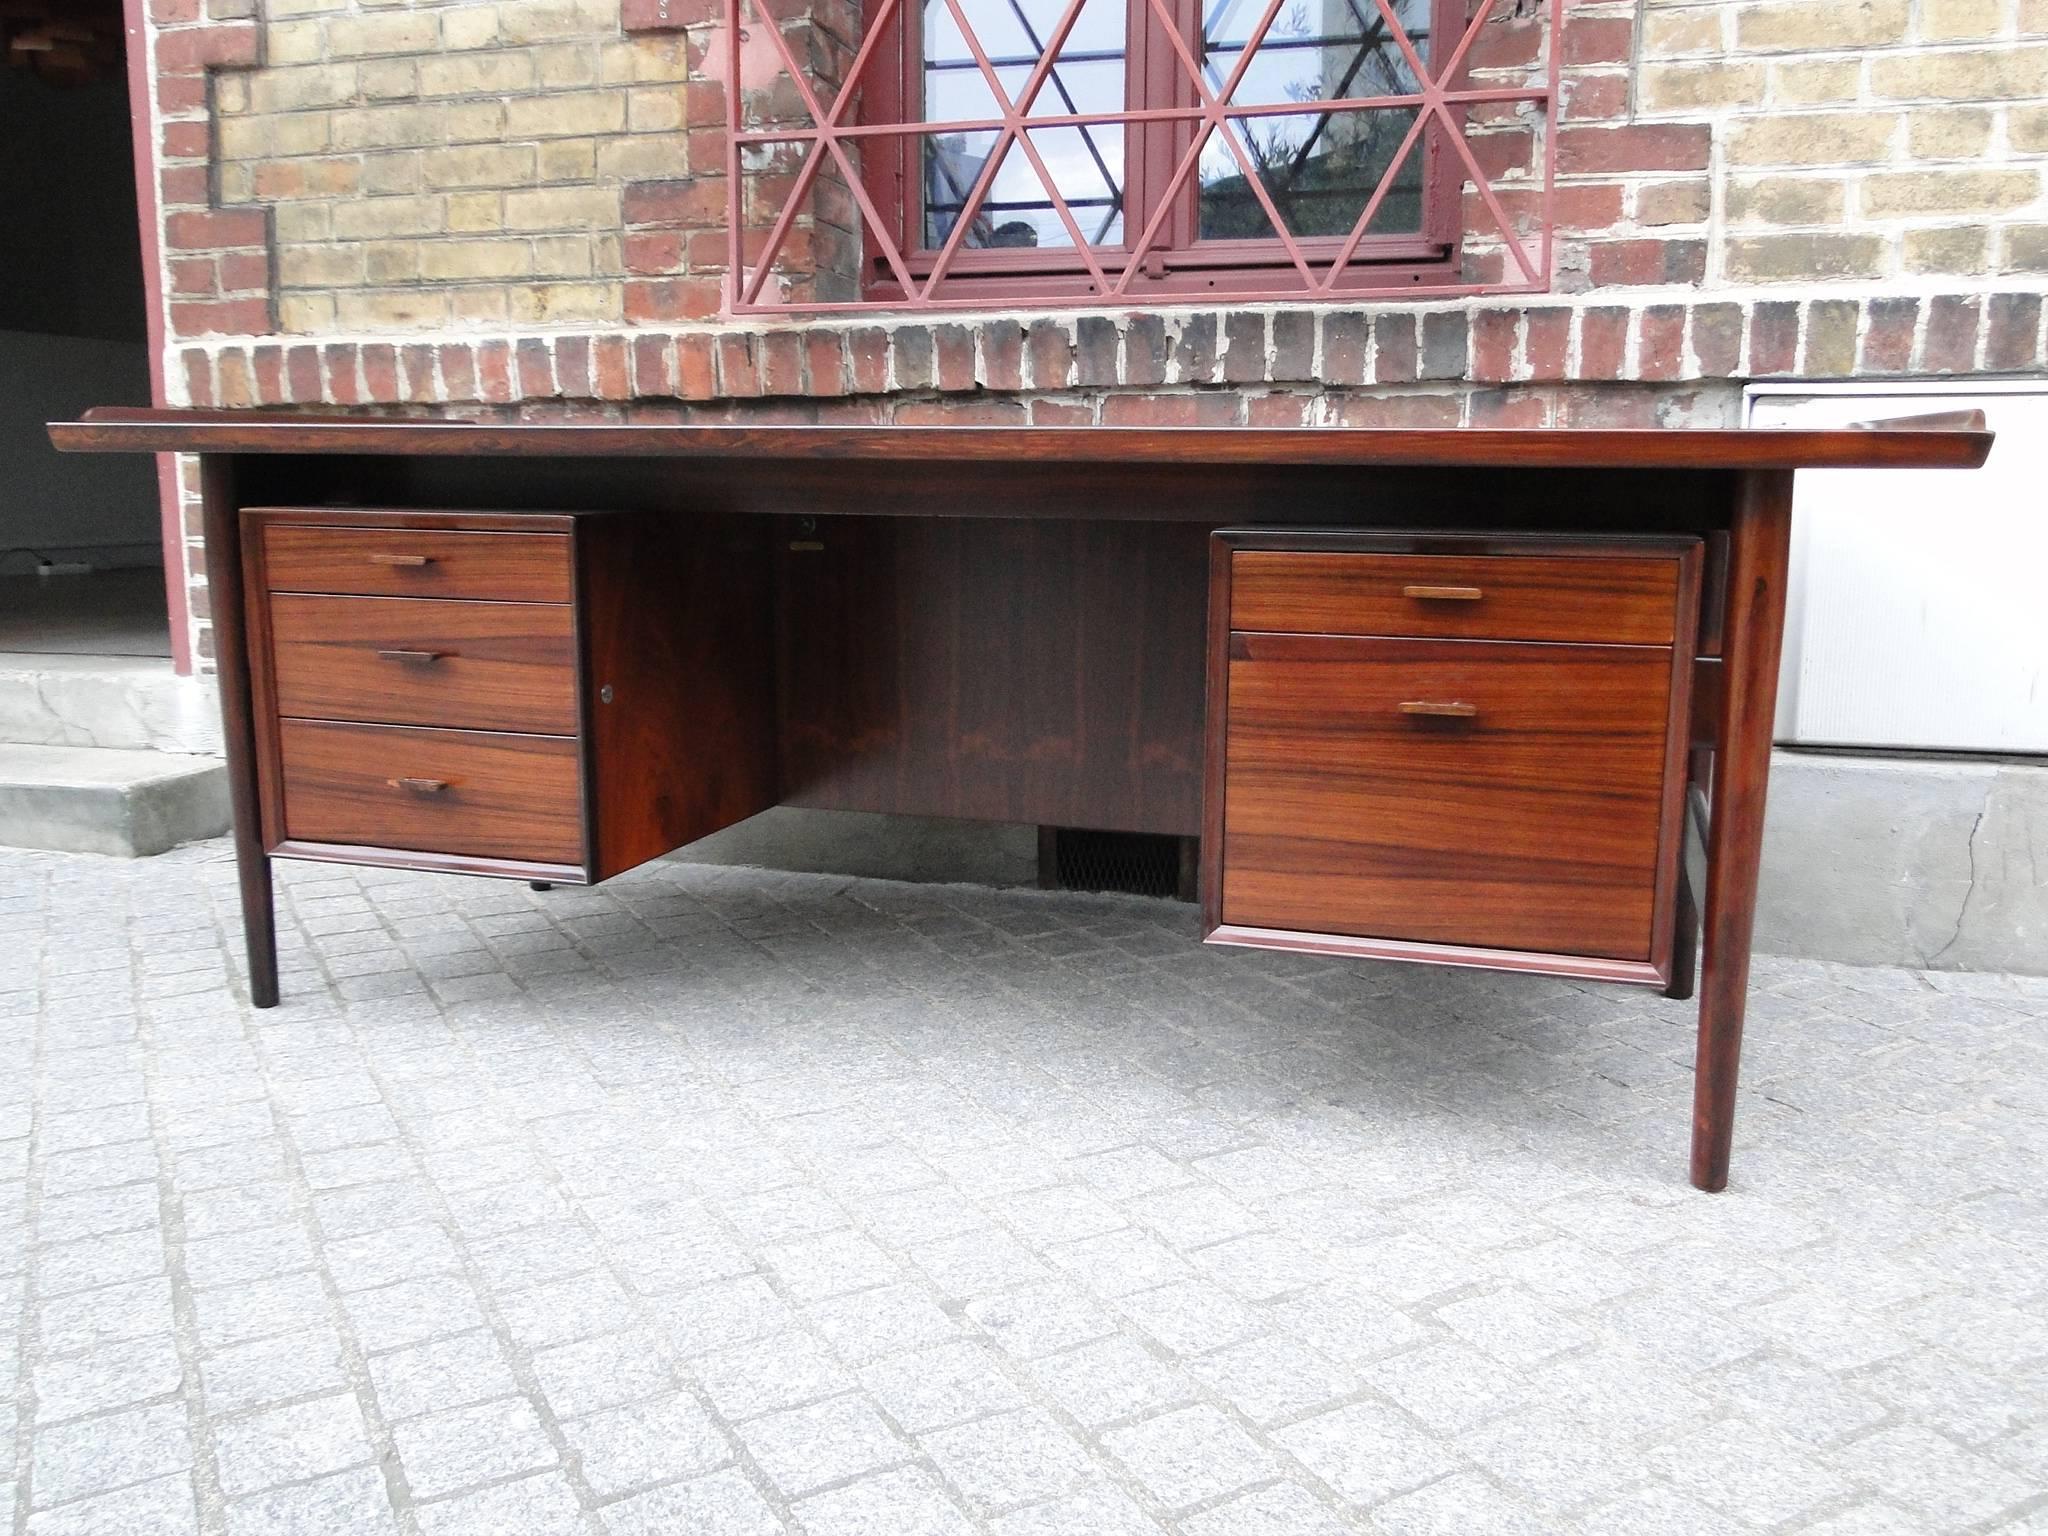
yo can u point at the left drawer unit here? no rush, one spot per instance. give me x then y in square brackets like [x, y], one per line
[459, 690]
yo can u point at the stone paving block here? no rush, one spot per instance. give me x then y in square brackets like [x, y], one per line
[803, 1449]
[111, 1376]
[446, 1373]
[283, 1445]
[88, 1456]
[941, 1386]
[906, 1502]
[346, 1504]
[1008, 1460]
[722, 1504]
[162, 1507]
[541, 1505]
[462, 1447]
[1110, 1379]
[623, 1449]
[1282, 1509]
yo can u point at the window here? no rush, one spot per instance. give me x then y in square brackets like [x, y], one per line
[1134, 151]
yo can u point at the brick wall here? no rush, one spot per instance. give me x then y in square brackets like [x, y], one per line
[519, 208]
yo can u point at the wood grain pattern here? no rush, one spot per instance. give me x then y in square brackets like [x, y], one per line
[425, 661]
[1611, 600]
[1533, 825]
[379, 562]
[109, 429]
[506, 797]
[1046, 672]
[679, 682]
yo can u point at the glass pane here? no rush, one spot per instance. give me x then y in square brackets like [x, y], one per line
[1086, 163]
[1320, 169]
[1315, 50]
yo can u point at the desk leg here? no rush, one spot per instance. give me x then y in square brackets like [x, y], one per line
[1752, 641]
[223, 529]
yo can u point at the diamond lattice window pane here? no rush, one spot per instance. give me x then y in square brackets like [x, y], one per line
[1320, 169]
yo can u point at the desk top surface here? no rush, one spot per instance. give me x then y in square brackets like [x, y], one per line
[1956, 440]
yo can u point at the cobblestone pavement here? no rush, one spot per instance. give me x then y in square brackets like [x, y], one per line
[716, 1201]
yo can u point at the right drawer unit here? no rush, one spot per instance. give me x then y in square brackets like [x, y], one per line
[1465, 750]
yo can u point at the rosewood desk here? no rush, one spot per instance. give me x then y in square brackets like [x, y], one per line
[1485, 698]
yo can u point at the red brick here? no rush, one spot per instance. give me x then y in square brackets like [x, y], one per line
[172, 13]
[1598, 40]
[199, 377]
[1587, 150]
[1395, 358]
[1717, 340]
[1508, 408]
[186, 141]
[1493, 345]
[1607, 407]
[179, 94]
[194, 277]
[2010, 345]
[663, 15]
[986, 412]
[853, 413]
[572, 367]
[1294, 347]
[221, 46]
[696, 367]
[910, 357]
[1244, 347]
[536, 369]
[1052, 355]
[418, 359]
[1888, 337]
[1593, 205]
[1095, 351]
[1773, 338]
[1207, 409]
[782, 363]
[221, 317]
[1593, 98]
[1549, 344]
[232, 385]
[1508, 44]
[1416, 412]
[380, 373]
[267, 362]
[1344, 347]
[339, 370]
[953, 352]
[245, 271]
[216, 229]
[1277, 410]
[652, 252]
[1644, 263]
[867, 349]
[1661, 353]
[613, 377]
[652, 357]
[738, 374]
[825, 362]
[1952, 334]
[185, 186]
[1603, 343]
[458, 370]
[1061, 413]
[495, 383]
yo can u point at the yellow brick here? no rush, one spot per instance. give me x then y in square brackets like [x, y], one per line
[1815, 82]
[415, 309]
[293, 90]
[392, 261]
[1949, 20]
[566, 303]
[649, 157]
[319, 266]
[1948, 191]
[281, 179]
[563, 256]
[1821, 24]
[389, 79]
[2026, 248]
[1667, 33]
[523, 21]
[475, 74]
[1949, 250]
[568, 160]
[2027, 130]
[351, 37]
[650, 59]
[286, 8]
[470, 26]
[304, 314]
[302, 221]
[473, 122]
[1664, 203]
[1812, 138]
[1795, 258]
[389, 127]
[562, 208]
[230, 94]
[1963, 74]
[479, 165]
[567, 115]
[1689, 86]
[479, 306]
[293, 42]
[393, 172]
[458, 260]
[237, 182]
[476, 213]
[372, 218]
[2033, 17]
[1787, 200]
[655, 109]
[1949, 133]
[567, 67]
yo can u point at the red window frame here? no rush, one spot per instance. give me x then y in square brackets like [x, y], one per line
[1451, 111]
[1177, 262]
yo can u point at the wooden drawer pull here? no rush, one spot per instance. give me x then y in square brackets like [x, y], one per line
[419, 786]
[407, 560]
[1451, 708]
[1444, 594]
[421, 656]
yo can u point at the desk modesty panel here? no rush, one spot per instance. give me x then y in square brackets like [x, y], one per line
[1496, 698]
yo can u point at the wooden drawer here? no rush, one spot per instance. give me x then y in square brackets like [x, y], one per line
[450, 792]
[421, 661]
[1603, 599]
[1527, 815]
[395, 561]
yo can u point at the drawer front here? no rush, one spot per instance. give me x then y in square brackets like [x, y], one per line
[460, 792]
[419, 562]
[1469, 793]
[1601, 600]
[420, 661]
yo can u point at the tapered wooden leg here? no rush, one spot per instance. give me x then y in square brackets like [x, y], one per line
[1752, 642]
[222, 526]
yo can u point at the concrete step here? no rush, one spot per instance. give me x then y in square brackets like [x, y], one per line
[107, 799]
[130, 703]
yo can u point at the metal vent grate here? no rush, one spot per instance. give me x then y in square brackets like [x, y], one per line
[1133, 863]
